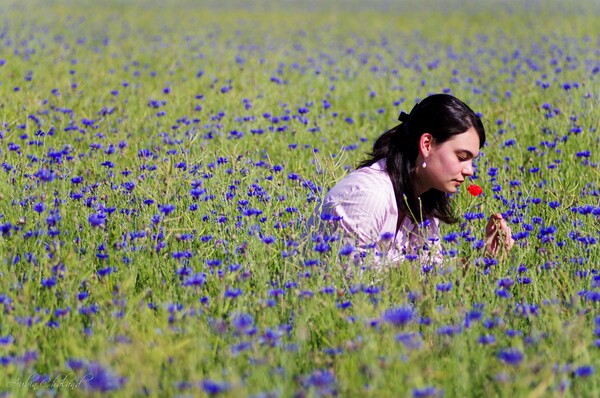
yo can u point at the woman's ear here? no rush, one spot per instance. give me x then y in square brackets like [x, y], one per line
[425, 144]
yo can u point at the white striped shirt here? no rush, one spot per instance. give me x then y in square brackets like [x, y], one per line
[363, 205]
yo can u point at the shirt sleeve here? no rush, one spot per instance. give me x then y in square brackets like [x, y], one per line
[359, 213]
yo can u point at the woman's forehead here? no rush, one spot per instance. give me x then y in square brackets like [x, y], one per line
[468, 141]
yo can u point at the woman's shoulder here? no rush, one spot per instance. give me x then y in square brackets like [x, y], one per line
[372, 181]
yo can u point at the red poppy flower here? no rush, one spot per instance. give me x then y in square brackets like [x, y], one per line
[474, 190]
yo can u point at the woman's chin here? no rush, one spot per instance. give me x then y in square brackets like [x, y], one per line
[451, 189]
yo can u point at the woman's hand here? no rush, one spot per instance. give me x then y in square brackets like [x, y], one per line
[498, 235]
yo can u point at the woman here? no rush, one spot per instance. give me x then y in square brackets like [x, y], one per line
[395, 199]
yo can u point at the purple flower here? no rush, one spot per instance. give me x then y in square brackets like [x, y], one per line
[76, 364]
[510, 356]
[242, 322]
[48, 283]
[106, 271]
[195, 280]
[166, 209]
[45, 175]
[410, 340]
[451, 237]
[444, 287]
[399, 316]
[268, 240]
[99, 378]
[214, 262]
[427, 392]
[487, 339]
[387, 236]
[346, 250]
[323, 381]
[448, 330]
[276, 292]
[232, 292]
[196, 192]
[213, 388]
[6, 340]
[322, 247]
[128, 186]
[97, 219]
[584, 371]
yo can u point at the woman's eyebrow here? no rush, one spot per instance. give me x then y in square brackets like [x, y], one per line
[468, 153]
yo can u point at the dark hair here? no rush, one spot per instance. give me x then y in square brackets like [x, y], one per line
[441, 115]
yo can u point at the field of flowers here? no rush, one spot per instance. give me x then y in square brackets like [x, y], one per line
[160, 161]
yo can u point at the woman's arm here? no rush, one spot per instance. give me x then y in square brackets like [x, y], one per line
[359, 214]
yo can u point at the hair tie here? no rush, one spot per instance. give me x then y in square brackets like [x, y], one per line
[403, 117]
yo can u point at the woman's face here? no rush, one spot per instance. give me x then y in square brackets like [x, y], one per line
[450, 163]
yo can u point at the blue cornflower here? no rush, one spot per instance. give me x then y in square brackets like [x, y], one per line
[242, 322]
[346, 250]
[387, 236]
[99, 378]
[410, 340]
[451, 237]
[322, 247]
[510, 356]
[82, 296]
[182, 255]
[448, 330]
[97, 219]
[554, 204]
[269, 239]
[399, 316]
[322, 380]
[276, 292]
[195, 280]
[166, 209]
[328, 290]
[583, 154]
[547, 231]
[45, 175]
[311, 262]
[213, 388]
[427, 392]
[6, 340]
[196, 192]
[145, 153]
[444, 287]
[49, 282]
[232, 292]
[521, 235]
[584, 371]
[214, 262]
[487, 339]
[105, 271]
[506, 282]
[128, 186]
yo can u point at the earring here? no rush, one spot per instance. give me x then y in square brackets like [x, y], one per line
[424, 165]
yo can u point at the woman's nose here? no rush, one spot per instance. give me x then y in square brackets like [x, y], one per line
[468, 170]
